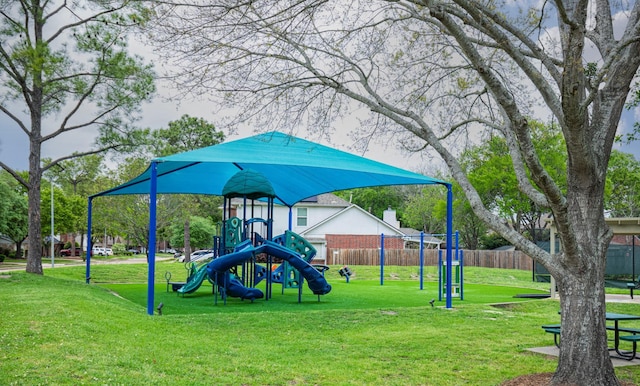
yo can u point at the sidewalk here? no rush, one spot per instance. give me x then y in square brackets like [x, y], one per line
[46, 263]
[554, 352]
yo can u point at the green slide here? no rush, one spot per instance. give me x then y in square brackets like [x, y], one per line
[195, 282]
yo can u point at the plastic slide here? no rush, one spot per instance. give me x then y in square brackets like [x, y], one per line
[316, 282]
[235, 288]
[218, 271]
[195, 282]
[301, 246]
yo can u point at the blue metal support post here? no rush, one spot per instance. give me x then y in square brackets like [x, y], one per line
[421, 260]
[89, 246]
[382, 259]
[151, 248]
[449, 242]
[439, 275]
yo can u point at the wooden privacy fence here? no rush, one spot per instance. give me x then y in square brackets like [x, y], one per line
[411, 257]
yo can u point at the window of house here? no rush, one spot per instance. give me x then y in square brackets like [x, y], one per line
[301, 217]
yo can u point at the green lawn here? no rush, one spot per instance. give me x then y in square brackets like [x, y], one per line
[54, 329]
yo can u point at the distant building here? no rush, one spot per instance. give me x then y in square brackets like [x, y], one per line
[328, 222]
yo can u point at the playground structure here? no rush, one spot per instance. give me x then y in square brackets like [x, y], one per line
[234, 270]
[296, 168]
[449, 275]
[457, 275]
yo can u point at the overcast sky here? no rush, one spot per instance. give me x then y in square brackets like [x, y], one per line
[14, 148]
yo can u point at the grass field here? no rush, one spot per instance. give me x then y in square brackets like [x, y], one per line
[54, 329]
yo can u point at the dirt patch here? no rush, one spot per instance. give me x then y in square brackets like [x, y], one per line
[539, 379]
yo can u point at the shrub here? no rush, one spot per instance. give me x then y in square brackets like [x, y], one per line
[118, 249]
[4, 252]
[67, 245]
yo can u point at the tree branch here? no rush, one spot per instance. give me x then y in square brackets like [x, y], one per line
[15, 119]
[15, 175]
[78, 155]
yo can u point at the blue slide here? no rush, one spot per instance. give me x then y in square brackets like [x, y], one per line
[218, 271]
[316, 282]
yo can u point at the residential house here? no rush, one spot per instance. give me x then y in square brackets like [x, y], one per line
[328, 222]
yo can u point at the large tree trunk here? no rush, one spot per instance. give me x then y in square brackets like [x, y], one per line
[34, 256]
[584, 348]
[579, 271]
[187, 242]
[19, 249]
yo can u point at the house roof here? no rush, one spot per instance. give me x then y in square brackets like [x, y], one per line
[415, 235]
[357, 228]
[5, 240]
[325, 199]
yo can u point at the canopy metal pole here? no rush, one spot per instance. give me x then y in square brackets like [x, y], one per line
[421, 260]
[89, 246]
[449, 242]
[153, 188]
[382, 259]
[552, 251]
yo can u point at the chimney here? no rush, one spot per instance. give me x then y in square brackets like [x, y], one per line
[389, 216]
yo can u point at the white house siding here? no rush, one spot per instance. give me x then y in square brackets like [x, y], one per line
[352, 221]
[329, 216]
[315, 214]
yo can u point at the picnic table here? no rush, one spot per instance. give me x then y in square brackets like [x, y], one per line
[634, 337]
[616, 328]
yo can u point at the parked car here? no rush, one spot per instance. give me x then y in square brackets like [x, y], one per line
[102, 251]
[202, 254]
[67, 252]
[134, 251]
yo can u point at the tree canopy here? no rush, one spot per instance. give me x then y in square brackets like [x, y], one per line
[438, 74]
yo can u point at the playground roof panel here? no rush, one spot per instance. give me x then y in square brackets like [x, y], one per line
[248, 183]
[296, 168]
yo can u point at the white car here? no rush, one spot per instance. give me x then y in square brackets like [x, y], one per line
[202, 254]
[99, 251]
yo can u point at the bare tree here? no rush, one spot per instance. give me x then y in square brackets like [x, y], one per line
[437, 73]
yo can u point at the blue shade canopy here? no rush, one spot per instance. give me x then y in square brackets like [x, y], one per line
[296, 169]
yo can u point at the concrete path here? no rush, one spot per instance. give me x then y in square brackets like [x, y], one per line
[617, 362]
[46, 263]
[554, 351]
